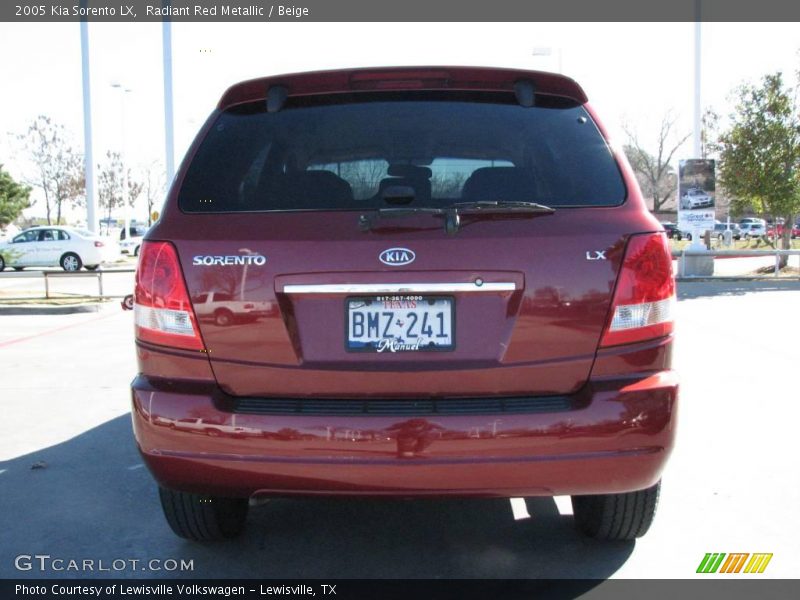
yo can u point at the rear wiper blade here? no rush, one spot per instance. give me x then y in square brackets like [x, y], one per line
[452, 213]
[491, 209]
[499, 206]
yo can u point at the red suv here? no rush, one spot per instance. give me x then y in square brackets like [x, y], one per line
[469, 298]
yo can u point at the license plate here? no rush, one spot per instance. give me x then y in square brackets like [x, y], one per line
[399, 324]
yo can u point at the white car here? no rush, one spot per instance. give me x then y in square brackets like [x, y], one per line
[132, 243]
[696, 198]
[52, 246]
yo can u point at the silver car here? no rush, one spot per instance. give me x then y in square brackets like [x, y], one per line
[752, 230]
[696, 198]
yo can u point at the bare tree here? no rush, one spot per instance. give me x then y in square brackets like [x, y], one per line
[110, 184]
[654, 171]
[448, 185]
[59, 167]
[364, 176]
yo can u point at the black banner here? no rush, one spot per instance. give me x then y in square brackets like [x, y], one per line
[427, 589]
[405, 10]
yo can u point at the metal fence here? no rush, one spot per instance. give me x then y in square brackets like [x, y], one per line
[682, 255]
[99, 275]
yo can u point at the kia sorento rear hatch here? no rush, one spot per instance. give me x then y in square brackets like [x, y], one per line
[403, 243]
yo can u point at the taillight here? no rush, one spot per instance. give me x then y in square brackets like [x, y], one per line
[99, 244]
[163, 313]
[645, 294]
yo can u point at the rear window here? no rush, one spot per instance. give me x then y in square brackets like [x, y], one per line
[358, 155]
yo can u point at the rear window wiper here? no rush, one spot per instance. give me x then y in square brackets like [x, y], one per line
[452, 213]
[499, 207]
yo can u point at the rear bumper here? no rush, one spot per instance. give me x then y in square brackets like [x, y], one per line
[613, 436]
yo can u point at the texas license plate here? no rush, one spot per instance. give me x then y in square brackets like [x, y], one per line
[400, 324]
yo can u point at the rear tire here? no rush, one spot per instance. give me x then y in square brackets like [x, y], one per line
[616, 516]
[201, 517]
[71, 262]
[2, 264]
[16, 268]
[91, 267]
[223, 317]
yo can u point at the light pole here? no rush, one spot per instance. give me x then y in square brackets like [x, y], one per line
[248, 252]
[697, 243]
[125, 208]
[88, 160]
[169, 136]
[698, 64]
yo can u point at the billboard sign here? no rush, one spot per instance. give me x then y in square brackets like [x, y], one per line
[696, 195]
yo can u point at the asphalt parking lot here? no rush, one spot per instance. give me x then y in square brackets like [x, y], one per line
[72, 485]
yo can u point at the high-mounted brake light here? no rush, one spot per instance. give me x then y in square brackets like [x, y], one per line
[645, 294]
[162, 312]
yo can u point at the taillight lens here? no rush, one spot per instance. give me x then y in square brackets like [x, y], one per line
[645, 294]
[163, 313]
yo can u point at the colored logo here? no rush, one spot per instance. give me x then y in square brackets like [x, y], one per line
[740, 562]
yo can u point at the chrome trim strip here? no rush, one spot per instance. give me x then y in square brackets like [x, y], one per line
[398, 288]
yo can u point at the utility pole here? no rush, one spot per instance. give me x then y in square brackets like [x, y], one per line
[124, 159]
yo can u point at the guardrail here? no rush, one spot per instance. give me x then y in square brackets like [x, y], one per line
[57, 274]
[777, 253]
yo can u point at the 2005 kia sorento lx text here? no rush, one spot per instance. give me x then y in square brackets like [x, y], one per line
[469, 298]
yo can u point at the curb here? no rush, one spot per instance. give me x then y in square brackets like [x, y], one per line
[43, 309]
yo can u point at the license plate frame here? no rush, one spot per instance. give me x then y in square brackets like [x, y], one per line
[373, 348]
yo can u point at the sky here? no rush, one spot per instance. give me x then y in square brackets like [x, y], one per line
[633, 73]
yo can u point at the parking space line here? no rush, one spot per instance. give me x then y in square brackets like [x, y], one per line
[55, 330]
[563, 504]
[519, 508]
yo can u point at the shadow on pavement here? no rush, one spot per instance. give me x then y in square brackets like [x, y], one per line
[690, 290]
[93, 499]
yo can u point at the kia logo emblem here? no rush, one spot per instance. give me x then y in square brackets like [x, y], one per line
[397, 257]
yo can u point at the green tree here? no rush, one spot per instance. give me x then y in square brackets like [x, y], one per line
[760, 153]
[59, 167]
[14, 198]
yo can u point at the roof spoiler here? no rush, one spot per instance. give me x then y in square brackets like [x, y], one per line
[525, 85]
